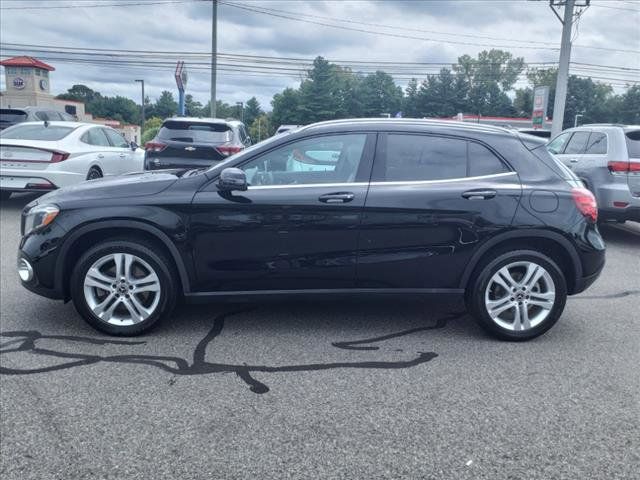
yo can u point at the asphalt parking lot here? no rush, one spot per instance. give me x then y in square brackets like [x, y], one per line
[375, 389]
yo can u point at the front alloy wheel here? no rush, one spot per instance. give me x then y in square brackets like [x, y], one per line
[123, 287]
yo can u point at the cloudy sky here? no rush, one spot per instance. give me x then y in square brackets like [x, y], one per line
[351, 31]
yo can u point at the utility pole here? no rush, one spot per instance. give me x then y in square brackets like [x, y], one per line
[565, 57]
[241, 110]
[214, 53]
[142, 124]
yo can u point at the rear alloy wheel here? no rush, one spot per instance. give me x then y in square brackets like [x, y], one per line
[519, 295]
[94, 173]
[123, 288]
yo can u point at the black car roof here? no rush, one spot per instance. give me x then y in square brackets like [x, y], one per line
[406, 124]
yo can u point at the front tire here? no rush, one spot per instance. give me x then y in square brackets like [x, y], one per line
[518, 295]
[123, 287]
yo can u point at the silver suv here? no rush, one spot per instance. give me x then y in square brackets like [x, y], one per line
[606, 157]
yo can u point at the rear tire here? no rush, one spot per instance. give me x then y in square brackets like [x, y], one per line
[123, 287]
[94, 172]
[518, 295]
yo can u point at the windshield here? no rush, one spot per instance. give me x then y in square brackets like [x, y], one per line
[195, 132]
[36, 132]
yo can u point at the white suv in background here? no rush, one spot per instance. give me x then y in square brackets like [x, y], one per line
[606, 157]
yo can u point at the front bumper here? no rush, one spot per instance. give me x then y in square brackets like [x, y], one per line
[34, 284]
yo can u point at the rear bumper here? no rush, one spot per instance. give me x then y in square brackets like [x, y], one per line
[585, 282]
[152, 162]
[615, 202]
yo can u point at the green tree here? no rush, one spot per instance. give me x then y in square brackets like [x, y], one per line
[192, 107]
[410, 101]
[627, 106]
[252, 110]
[80, 93]
[380, 95]
[261, 128]
[286, 109]
[165, 106]
[523, 102]
[317, 101]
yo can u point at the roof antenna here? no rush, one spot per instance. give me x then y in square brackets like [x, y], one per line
[46, 123]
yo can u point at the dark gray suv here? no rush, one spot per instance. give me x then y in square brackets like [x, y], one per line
[606, 157]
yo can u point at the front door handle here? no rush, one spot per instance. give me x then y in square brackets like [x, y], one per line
[122, 155]
[479, 194]
[337, 197]
[573, 160]
[100, 155]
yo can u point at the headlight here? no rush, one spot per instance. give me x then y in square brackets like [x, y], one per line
[39, 217]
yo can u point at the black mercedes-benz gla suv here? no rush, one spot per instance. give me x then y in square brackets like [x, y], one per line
[344, 207]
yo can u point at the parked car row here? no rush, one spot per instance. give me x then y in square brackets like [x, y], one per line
[13, 116]
[355, 207]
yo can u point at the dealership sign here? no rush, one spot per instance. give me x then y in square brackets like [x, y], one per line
[540, 102]
[18, 83]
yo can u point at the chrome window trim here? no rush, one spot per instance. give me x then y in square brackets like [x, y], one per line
[391, 183]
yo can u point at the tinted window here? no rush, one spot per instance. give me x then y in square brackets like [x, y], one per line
[577, 144]
[42, 116]
[633, 143]
[329, 159]
[557, 144]
[95, 136]
[195, 132]
[36, 132]
[54, 116]
[421, 157]
[116, 139]
[597, 144]
[12, 116]
[482, 161]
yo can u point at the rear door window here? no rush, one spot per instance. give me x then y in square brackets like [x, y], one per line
[597, 144]
[96, 137]
[195, 132]
[578, 143]
[408, 157]
[556, 146]
[116, 139]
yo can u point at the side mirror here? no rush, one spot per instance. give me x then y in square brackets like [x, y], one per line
[133, 145]
[232, 179]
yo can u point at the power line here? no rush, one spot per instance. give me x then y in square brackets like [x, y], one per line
[98, 5]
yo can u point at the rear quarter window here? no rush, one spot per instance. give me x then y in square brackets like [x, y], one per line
[633, 143]
[597, 144]
[36, 132]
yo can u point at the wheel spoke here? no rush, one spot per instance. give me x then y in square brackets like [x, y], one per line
[150, 283]
[533, 275]
[496, 307]
[544, 300]
[95, 278]
[139, 310]
[524, 316]
[517, 324]
[505, 275]
[105, 308]
[118, 259]
[128, 263]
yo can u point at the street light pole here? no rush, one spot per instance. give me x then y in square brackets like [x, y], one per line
[143, 119]
[214, 53]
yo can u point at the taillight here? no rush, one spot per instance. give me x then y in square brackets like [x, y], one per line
[618, 167]
[226, 150]
[586, 203]
[58, 156]
[155, 146]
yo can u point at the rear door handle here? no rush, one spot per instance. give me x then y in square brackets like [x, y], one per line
[479, 194]
[122, 155]
[573, 160]
[337, 197]
[100, 155]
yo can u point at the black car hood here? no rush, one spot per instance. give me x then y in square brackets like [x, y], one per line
[131, 185]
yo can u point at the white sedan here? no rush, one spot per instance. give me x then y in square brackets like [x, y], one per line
[42, 156]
